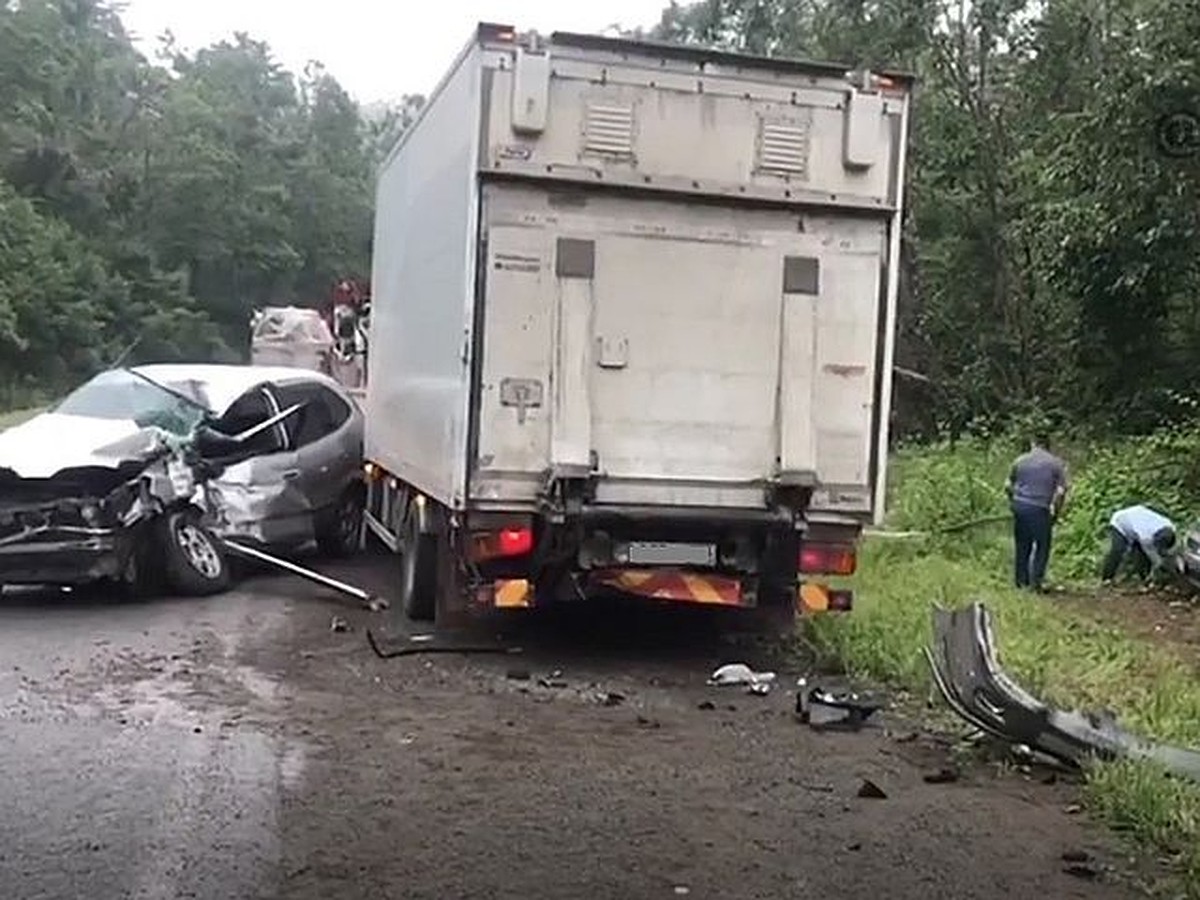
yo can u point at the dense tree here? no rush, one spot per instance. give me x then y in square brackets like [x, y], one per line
[155, 204]
[1051, 262]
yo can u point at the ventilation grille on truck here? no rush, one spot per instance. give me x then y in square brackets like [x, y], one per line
[608, 130]
[783, 147]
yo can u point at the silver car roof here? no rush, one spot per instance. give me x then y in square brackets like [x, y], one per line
[222, 385]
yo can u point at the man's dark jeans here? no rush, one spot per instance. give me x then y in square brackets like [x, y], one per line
[1121, 548]
[1032, 527]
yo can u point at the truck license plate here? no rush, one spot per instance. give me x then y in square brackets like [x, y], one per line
[654, 553]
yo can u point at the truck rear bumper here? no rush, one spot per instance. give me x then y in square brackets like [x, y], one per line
[667, 584]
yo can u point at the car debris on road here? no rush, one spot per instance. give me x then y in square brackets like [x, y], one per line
[965, 670]
[369, 601]
[869, 790]
[857, 710]
[740, 674]
[420, 644]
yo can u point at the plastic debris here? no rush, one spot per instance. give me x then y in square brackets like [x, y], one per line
[871, 791]
[740, 674]
[857, 710]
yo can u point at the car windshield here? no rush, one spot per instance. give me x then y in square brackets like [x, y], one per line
[122, 394]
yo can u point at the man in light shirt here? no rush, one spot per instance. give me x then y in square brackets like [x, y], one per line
[1143, 534]
[1036, 488]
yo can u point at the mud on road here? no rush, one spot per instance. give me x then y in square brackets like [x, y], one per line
[238, 747]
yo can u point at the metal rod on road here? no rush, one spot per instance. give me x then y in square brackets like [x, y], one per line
[309, 574]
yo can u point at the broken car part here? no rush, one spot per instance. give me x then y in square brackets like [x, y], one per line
[857, 710]
[421, 648]
[963, 661]
[370, 601]
[741, 674]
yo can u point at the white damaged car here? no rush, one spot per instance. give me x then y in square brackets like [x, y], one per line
[136, 475]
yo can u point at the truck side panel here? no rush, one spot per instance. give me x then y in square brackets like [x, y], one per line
[422, 280]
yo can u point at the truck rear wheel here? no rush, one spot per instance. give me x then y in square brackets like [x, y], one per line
[418, 570]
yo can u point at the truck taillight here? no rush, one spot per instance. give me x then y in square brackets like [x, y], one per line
[827, 559]
[505, 544]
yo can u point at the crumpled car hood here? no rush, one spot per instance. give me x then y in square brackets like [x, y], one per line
[49, 443]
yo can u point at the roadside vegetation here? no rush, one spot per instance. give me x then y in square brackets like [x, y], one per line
[1058, 652]
[16, 417]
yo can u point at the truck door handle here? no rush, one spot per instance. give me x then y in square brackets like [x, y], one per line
[291, 474]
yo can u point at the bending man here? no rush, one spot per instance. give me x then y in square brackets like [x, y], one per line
[1143, 534]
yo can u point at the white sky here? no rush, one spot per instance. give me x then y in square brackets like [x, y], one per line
[377, 49]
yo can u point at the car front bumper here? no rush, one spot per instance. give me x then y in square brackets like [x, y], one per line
[62, 557]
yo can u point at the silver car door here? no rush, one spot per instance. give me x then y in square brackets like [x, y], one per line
[261, 497]
[327, 463]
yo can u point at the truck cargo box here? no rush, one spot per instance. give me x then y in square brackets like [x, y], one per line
[666, 272]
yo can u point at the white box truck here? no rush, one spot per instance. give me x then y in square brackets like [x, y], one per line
[632, 326]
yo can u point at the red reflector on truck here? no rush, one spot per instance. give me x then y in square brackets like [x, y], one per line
[506, 544]
[515, 541]
[827, 559]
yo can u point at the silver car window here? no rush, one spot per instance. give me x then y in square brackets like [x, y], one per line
[249, 410]
[323, 412]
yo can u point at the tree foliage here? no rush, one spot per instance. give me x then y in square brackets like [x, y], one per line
[1051, 263]
[159, 202]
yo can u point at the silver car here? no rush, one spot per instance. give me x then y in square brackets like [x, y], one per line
[134, 473]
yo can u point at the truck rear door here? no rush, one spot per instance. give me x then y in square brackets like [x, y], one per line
[691, 353]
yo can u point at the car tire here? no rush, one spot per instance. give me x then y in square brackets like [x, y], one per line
[339, 531]
[194, 561]
[418, 571]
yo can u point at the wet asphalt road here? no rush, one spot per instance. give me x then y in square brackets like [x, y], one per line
[237, 747]
[121, 773]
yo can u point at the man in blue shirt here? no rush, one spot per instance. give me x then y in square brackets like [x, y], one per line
[1143, 534]
[1036, 488]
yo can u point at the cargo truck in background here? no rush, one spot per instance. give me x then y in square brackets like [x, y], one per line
[632, 326]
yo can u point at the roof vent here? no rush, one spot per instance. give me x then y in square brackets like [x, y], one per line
[783, 146]
[608, 130]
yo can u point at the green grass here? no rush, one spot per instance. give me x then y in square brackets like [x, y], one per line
[16, 417]
[1060, 655]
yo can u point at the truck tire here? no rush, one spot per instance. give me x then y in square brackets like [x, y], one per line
[418, 571]
[194, 562]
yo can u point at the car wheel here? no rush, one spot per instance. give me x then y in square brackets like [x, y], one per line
[418, 571]
[195, 562]
[338, 536]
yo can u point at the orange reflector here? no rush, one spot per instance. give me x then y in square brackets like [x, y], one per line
[819, 598]
[513, 594]
[827, 559]
[673, 584]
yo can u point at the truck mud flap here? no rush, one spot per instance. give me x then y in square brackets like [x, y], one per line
[964, 664]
